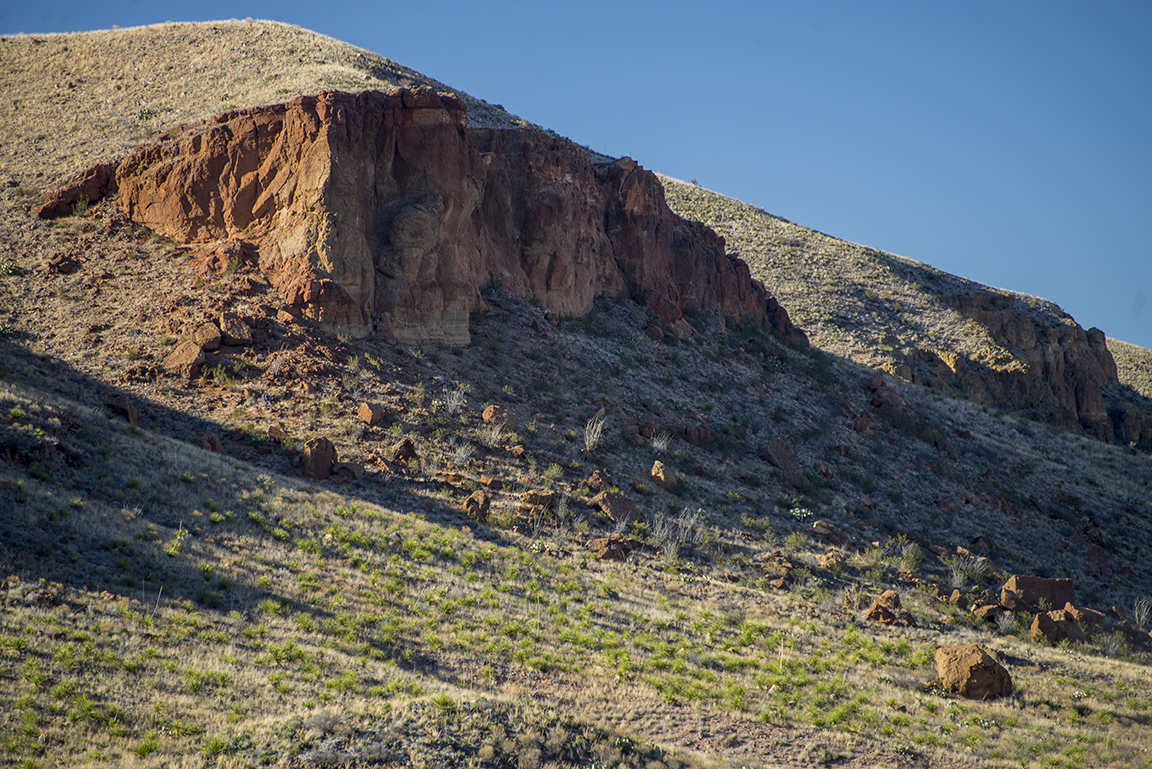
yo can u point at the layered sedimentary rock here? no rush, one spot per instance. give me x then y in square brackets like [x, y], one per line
[382, 213]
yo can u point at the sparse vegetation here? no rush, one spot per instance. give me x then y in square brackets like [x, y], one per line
[168, 605]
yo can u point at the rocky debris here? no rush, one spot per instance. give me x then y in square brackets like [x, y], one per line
[1011, 601]
[381, 212]
[1085, 617]
[348, 471]
[599, 481]
[618, 507]
[234, 331]
[865, 426]
[614, 547]
[317, 459]
[404, 450]
[886, 610]
[822, 469]
[1038, 591]
[833, 560]
[207, 335]
[476, 505]
[209, 442]
[884, 398]
[972, 672]
[696, 434]
[121, 407]
[662, 476]
[777, 454]
[498, 415]
[827, 532]
[371, 414]
[956, 598]
[87, 186]
[539, 497]
[1056, 626]
[185, 361]
[777, 570]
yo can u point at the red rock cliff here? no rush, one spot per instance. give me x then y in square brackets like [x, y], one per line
[383, 213]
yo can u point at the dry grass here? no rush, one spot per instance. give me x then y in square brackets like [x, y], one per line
[1134, 366]
[168, 606]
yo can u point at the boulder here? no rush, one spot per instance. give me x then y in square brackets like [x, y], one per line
[885, 609]
[972, 672]
[233, 330]
[318, 457]
[1040, 592]
[662, 476]
[540, 497]
[599, 481]
[1084, 616]
[498, 415]
[777, 454]
[207, 335]
[121, 407]
[209, 442]
[348, 471]
[1056, 626]
[614, 547]
[696, 434]
[404, 450]
[371, 414]
[827, 532]
[476, 506]
[1011, 601]
[617, 507]
[185, 361]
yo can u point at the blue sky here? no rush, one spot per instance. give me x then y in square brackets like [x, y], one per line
[1010, 143]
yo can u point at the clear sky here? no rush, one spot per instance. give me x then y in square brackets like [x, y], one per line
[1010, 143]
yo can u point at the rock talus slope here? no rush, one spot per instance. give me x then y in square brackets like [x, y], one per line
[382, 213]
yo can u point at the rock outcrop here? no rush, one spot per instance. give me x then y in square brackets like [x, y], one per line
[382, 213]
[1053, 372]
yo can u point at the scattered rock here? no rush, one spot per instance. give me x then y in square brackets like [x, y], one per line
[826, 532]
[209, 442]
[498, 415]
[958, 599]
[207, 335]
[599, 481]
[318, 458]
[866, 426]
[542, 498]
[696, 434]
[833, 560]
[1056, 626]
[476, 505]
[1040, 592]
[614, 547]
[886, 610]
[972, 672]
[185, 360]
[778, 570]
[233, 330]
[1011, 601]
[371, 413]
[617, 507]
[777, 454]
[121, 407]
[348, 471]
[662, 476]
[1085, 617]
[404, 450]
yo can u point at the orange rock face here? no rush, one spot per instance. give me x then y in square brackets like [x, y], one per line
[383, 214]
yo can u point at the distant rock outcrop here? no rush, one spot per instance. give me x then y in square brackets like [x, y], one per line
[1050, 372]
[382, 213]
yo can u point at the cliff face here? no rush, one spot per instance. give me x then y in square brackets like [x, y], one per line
[382, 213]
[1055, 373]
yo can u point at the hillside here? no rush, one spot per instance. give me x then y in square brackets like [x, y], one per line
[1001, 349]
[318, 550]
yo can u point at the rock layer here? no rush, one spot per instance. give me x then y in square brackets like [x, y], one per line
[382, 213]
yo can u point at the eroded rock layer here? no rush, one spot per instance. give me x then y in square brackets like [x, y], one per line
[382, 213]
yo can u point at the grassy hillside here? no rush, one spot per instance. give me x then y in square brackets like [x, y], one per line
[165, 605]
